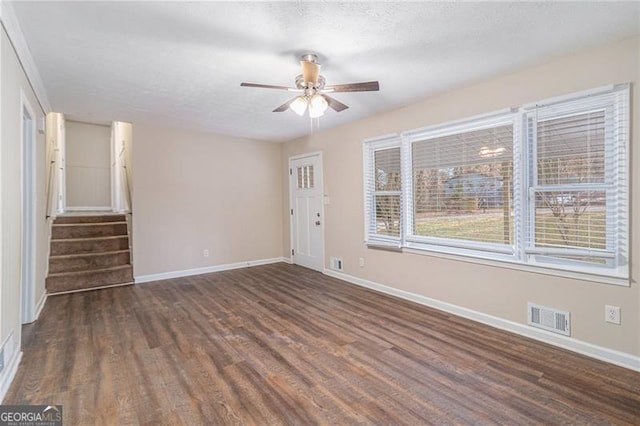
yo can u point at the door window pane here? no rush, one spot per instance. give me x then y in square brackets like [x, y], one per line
[305, 177]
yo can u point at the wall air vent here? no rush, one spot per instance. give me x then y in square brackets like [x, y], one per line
[335, 263]
[549, 319]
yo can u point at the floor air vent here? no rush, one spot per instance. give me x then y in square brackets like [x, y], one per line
[549, 319]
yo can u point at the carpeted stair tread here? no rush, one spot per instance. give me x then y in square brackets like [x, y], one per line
[88, 230]
[72, 240]
[93, 271]
[67, 256]
[84, 280]
[89, 219]
[67, 225]
[88, 261]
[89, 245]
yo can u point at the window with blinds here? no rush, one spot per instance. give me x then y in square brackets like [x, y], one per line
[463, 184]
[578, 181]
[545, 185]
[384, 191]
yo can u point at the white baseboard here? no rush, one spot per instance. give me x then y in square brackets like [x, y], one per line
[287, 260]
[9, 373]
[206, 270]
[40, 305]
[621, 359]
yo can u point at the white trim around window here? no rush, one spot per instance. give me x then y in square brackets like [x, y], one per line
[543, 187]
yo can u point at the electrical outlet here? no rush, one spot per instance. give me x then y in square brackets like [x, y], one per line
[205, 252]
[612, 314]
[361, 262]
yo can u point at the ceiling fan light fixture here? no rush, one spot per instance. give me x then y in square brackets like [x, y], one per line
[299, 105]
[317, 106]
[311, 86]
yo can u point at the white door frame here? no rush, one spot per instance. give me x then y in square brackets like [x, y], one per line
[28, 209]
[291, 159]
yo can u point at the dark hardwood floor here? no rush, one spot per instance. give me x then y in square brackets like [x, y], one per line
[280, 344]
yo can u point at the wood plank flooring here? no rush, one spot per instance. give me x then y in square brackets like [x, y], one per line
[280, 344]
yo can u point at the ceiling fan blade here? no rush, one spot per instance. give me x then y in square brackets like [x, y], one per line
[369, 86]
[269, 86]
[285, 106]
[335, 104]
[310, 72]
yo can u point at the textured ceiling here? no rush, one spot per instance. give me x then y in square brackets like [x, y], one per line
[181, 63]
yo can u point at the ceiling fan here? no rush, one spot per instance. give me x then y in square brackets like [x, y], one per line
[313, 91]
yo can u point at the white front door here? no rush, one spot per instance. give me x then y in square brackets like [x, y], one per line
[305, 202]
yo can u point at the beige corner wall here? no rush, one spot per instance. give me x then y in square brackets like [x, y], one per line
[13, 86]
[195, 191]
[496, 291]
[88, 165]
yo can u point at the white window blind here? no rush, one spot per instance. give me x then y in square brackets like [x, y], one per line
[463, 184]
[383, 180]
[578, 174]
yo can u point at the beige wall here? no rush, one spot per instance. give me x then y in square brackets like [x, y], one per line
[496, 291]
[196, 191]
[13, 86]
[88, 161]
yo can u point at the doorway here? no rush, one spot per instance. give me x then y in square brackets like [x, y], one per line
[27, 284]
[306, 210]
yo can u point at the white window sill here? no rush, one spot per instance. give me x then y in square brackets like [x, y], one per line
[513, 264]
[384, 245]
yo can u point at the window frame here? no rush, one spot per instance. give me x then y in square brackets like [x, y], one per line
[520, 254]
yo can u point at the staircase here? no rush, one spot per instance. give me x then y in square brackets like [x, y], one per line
[88, 252]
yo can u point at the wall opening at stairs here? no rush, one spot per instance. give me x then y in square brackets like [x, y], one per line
[89, 166]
